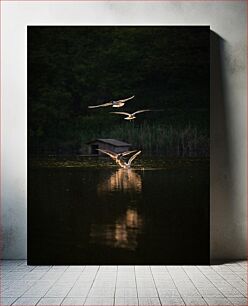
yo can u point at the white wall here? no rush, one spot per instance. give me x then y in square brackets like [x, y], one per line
[228, 103]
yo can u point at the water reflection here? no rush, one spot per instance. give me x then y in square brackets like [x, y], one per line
[122, 234]
[123, 227]
[121, 180]
[110, 216]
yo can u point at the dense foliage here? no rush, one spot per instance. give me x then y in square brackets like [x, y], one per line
[165, 68]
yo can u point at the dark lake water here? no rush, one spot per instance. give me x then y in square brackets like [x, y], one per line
[107, 215]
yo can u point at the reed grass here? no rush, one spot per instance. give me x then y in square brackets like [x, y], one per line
[158, 139]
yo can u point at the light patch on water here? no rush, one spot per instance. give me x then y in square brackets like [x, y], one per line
[121, 180]
[122, 234]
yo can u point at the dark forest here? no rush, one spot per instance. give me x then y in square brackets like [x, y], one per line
[70, 68]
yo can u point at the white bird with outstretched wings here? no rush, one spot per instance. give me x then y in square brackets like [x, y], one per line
[128, 164]
[114, 155]
[118, 157]
[131, 116]
[118, 103]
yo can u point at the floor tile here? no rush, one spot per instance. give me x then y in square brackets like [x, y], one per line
[125, 269]
[38, 290]
[75, 268]
[108, 268]
[147, 292]
[13, 292]
[238, 301]
[33, 276]
[230, 292]
[58, 268]
[145, 283]
[121, 301]
[166, 301]
[186, 292]
[102, 292]
[99, 301]
[217, 301]
[58, 291]
[50, 301]
[7, 301]
[149, 301]
[127, 276]
[194, 301]
[164, 292]
[125, 283]
[165, 284]
[210, 292]
[42, 268]
[73, 301]
[126, 292]
[26, 301]
[81, 290]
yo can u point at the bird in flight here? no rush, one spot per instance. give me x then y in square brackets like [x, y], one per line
[118, 157]
[118, 103]
[132, 115]
[114, 155]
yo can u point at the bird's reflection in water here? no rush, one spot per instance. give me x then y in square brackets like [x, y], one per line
[123, 231]
[122, 234]
[121, 180]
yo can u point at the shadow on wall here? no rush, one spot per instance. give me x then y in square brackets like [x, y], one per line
[225, 232]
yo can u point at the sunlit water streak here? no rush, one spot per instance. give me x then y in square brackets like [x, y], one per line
[122, 234]
[121, 180]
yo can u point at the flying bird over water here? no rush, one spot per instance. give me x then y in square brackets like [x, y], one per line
[132, 115]
[127, 165]
[118, 103]
[114, 155]
[118, 157]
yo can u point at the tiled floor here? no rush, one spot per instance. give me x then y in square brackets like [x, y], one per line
[123, 285]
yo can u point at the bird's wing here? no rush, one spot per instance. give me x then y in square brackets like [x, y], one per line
[127, 152]
[133, 157]
[142, 111]
[124, 100]
[109, 153]
[120, 113]
[101, 105]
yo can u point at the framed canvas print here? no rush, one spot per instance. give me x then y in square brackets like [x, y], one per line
[118, 145]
